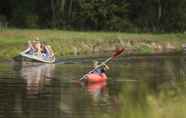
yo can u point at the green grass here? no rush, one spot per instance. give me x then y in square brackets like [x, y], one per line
[68, 43]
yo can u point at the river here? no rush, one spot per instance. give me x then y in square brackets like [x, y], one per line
[138, 87]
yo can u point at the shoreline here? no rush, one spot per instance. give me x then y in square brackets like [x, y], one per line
[83, 58]
[74, 44]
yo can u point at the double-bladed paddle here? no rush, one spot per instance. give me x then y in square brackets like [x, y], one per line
[116, 53]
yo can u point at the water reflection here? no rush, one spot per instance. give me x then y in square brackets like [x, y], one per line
[37, 76]
[49, 91]
[41, 96]
[97, 90]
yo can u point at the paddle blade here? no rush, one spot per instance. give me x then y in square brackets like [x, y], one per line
[118, 52]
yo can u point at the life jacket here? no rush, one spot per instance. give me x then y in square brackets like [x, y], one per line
[99, 70]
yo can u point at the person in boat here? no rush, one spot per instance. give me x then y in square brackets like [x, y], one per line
[50, 51]
[43, 49]
[101, 69]
[30, 48]
[47, 51]
[34, 47]
[37, 46]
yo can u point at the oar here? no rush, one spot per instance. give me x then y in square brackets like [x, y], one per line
[114, 55]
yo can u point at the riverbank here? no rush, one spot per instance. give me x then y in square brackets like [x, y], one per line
[73, 43]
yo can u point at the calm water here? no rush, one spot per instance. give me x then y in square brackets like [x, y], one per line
[138, 87]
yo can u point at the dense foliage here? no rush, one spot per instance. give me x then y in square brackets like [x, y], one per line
[106, 15]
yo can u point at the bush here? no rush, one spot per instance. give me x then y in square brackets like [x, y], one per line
[119, 24]
[31, 21]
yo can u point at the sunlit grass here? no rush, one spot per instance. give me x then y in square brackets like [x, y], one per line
[65, 43]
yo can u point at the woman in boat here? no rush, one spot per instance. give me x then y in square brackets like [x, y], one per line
[37, 46]
[31, 49]
[43, 49]
[48, 51]
[34, 47]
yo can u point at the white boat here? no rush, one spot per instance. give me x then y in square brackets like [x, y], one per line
[40, 58]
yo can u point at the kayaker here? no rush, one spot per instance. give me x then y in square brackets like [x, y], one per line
[101, 69]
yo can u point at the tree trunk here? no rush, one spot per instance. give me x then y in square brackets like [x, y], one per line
[159, 10]
[62, 6]
[53, 8]
[159, 14]
[70, 9]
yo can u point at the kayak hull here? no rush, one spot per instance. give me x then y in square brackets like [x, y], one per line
[38, 58]
[94, 87]
[95, 78]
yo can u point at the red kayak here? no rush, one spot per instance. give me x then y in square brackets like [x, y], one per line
[94, 77]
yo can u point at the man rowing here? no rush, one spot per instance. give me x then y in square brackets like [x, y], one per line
[98, 74]
[100, 70]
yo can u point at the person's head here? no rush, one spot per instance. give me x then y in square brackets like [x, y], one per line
[29, 43]
[33, 42]
[96, 63]
[42, 45]
[37, 41]
[37, 38]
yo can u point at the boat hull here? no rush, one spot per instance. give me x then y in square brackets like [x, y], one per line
[95, 87]
[95, 78]
[38, 58]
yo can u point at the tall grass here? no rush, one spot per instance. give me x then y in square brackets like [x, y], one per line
[65, 43]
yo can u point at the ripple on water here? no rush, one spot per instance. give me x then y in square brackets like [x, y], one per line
[134, 86]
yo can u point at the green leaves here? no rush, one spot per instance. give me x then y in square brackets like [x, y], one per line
[105, 15]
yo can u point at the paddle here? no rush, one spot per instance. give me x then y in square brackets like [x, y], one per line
[116, 53]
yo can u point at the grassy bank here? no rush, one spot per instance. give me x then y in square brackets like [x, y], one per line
[70, 43]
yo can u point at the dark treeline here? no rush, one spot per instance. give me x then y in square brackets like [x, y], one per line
[106, 15]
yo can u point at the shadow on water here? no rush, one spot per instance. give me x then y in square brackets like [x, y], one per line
[139, 87]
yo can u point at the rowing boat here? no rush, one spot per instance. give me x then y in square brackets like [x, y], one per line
[40, 58]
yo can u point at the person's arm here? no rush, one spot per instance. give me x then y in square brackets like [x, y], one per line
[51, 52]
[106, 67]
[28, 47]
